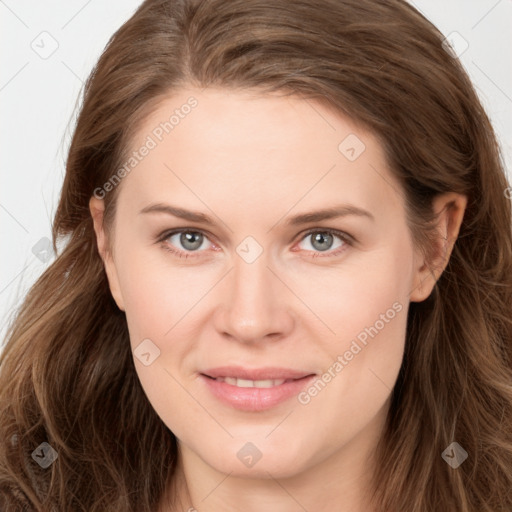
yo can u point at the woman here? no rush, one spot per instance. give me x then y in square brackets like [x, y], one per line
[336, 336]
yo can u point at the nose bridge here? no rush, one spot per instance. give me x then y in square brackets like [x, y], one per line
[255, 305]
[251, 284]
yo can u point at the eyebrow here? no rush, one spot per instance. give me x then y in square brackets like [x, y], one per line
[304, 218]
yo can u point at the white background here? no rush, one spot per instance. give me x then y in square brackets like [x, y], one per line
[38, 98]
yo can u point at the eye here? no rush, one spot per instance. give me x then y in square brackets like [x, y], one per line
[183, 242]
[324, 241]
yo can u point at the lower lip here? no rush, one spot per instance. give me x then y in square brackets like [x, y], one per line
[255, 399]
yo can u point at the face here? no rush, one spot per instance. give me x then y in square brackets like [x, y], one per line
[267, 336]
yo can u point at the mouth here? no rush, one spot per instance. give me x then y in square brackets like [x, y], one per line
[246, 383]
[254, 390]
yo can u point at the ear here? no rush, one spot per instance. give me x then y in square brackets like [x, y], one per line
[450, 209]
[97, 209]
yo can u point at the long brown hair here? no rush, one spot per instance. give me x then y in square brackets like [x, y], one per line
[67, 375]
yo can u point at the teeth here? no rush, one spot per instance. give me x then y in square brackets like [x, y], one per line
[244, 383]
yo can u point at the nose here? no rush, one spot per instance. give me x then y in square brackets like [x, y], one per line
[256, 304]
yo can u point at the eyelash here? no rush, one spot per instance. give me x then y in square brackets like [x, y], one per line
[347, 239]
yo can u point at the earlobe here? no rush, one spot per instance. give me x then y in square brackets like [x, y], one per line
[450, 208]
[97, 208]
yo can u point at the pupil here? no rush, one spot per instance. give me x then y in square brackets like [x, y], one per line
[188, 238]
[322, 238]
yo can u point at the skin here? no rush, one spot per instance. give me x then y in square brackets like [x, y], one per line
[251, 162]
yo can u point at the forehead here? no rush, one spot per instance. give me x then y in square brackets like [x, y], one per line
[256, 149]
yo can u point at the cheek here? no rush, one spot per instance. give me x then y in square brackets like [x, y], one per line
[365, 307]
[358, 293]
[157, 293]
[157, 298]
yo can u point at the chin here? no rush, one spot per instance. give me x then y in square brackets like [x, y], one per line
[249, 461]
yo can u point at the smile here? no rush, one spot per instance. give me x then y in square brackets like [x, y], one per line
[245, 383]
[254, 390]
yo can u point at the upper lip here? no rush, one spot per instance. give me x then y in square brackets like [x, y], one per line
[269, 373]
